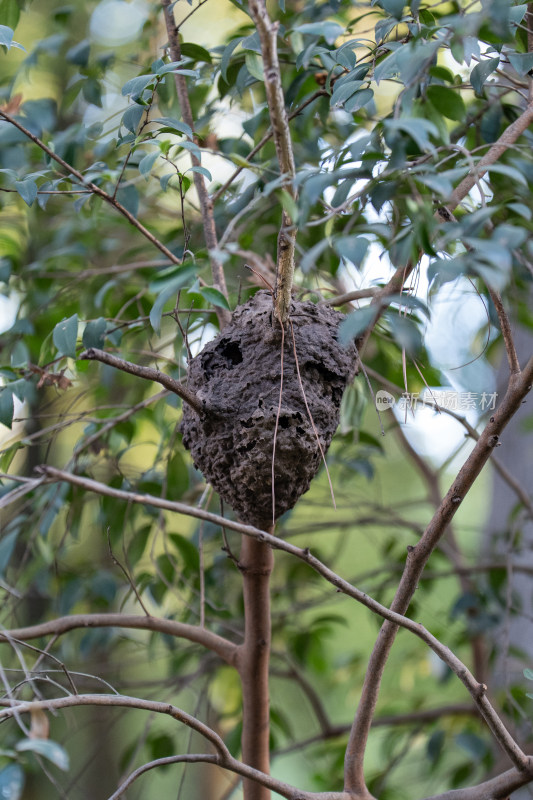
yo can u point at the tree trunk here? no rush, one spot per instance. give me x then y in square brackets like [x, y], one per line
[256, 565]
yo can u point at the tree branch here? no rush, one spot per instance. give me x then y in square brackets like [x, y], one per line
[417, 557]
[508, 138]
[505, 327]
[92, 187]
[206, 203]
[268, 31]
[498, 788]
[149, 373]
[225, 649]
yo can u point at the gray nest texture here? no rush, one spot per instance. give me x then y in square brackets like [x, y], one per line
[237, 376]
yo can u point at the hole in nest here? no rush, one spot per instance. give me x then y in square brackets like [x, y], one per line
[232, 352]
[284, 422]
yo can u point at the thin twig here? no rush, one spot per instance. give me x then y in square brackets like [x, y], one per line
[206, 203]
[149, 373]
[505, 327]
[92, 187]
[268, 32]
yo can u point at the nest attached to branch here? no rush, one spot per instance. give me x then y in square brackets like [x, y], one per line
[237, 376]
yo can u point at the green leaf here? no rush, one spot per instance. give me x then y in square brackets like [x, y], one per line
[393, 7]
[254, 65]
[528, 673]
[521, 62]
[6, 36]
[170, 290]
[356, 322]
[10, 14]
[27, 189]
[214, 296]
[136, 86]
[418, 129]
[343, 91]
[46, 748]
[11, 782]
[132, 117]
[79, 54]
[226, 56]
[448, 102]
[328, 30]
[358, 100]
[405, 333]
[352, 248]
[94, 333]
[481, 72]
[6, 407]
[175, 125]
[65, 335]
[146, 163]
[201, 171]
[195, 51]
[310, 258]
[128, 196]
[7, 545]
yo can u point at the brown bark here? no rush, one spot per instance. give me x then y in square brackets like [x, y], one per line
[256, 563]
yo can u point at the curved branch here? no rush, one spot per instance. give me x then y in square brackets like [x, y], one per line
[149, 373]
[193, 633]
[223, 758]
[93, 188]
[498, 788]
[13, 708]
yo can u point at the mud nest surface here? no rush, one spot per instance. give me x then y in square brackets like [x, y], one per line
[237, 376]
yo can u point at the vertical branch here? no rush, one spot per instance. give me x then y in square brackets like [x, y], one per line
[282, 139]
[256, 563]
[206, 205]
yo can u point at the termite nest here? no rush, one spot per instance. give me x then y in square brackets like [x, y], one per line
[237, 376]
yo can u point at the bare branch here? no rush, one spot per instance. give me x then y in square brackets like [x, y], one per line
[508, 138]
[417, 557]
[268, 31]
[498, 788]
[206, 203]
[92, 187]
[225, 649]
[12, 708]
[149, 373]
[505, 327]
